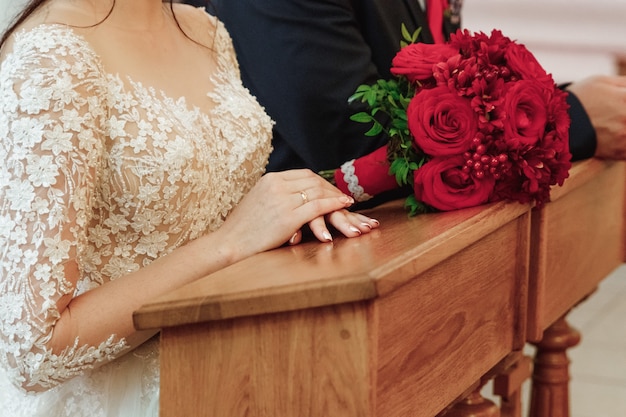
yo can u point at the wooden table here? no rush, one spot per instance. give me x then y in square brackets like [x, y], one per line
[395, 323]
[404, 321]
[578, 239]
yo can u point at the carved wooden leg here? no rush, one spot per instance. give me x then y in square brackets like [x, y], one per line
[550, 382]
[474, 405]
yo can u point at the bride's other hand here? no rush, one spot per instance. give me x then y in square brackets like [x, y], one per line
[277, 207]
[348, 223]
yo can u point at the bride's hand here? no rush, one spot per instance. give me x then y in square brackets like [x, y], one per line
[276, 208]
[348, 223]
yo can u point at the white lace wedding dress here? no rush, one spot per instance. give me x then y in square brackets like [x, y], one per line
[102, 169]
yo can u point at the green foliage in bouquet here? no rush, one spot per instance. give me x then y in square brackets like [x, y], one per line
[392, 98]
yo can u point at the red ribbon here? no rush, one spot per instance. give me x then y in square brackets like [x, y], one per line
[434, 13]
[372, 174]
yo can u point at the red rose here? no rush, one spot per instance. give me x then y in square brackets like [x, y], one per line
[415, 61]
[523, 63]
[442, 184]
[526, 108]
[441, 122]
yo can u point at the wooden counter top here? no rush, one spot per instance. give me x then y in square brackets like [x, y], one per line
[316, 274]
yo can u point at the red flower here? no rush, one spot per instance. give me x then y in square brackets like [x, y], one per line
[558, 116]
[458, 74]
[525, 105]
[488, 50]
[524, 64]
[441, 122]
[443, 184]
[416, 61]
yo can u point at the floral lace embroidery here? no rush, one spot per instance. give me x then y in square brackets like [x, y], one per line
[107, 174]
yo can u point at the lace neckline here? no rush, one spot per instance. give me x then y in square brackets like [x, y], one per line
[175, 104]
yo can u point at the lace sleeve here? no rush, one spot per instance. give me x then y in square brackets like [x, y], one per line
[261, 124]
[51, 122]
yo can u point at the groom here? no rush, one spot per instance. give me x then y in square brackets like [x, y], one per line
[303, 59]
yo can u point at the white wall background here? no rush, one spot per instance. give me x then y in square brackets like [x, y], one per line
[571, 38]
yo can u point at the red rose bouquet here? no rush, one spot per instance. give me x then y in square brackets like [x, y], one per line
[471, 121]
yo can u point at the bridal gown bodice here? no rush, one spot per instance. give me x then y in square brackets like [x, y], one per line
[103, 171]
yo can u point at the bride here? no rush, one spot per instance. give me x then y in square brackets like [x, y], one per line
[133, 163]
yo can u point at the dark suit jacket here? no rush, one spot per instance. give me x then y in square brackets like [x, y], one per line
[302, 59]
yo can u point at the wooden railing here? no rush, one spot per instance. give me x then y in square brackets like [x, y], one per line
[411, 319]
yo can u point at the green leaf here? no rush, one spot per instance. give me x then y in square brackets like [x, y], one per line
[375, 130]
[399, 114]
[361, 117]
[405, 32]
[415, 206]
[412, 205]
[359, 93]
[407, 37]
[400, 168]
[355, 96]
[370, 96]
[416, 34]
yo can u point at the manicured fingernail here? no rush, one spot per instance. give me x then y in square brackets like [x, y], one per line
[369, 226]
[354, 229]
[375, 221]
[293, 238]
[327, 236]
[346, 199]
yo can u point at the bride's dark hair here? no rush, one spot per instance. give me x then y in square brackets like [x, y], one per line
[33, 5]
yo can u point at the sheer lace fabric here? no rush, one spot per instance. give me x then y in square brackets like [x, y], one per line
[103, 174]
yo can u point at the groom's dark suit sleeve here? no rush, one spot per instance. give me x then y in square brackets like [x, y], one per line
[303, 59]
[582, 135]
